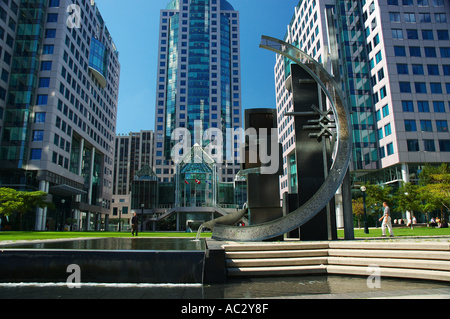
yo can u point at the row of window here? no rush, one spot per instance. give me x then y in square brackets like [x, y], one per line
[420, 3]
[426, 126]
[413, 34]
[418, 69]
[422, 88]
[423, 17]
[424, 106]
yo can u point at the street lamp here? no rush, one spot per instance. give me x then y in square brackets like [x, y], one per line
[366, 224]
[120, 220]
[142, 217]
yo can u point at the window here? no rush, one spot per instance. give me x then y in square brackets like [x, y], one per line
[417, 69]
[402, 68]
[38, 136]
[390, 149]
[412, 34]
[46, 65]
[50, 33]
[430, 52]
[379, 57]
[441, 18]
[44, 82]
[427, 34]
[382, 152]
[413, 145]
[52, 17]
[415, 51]
[397, 34]
[409, 17]
[39, 118]
[380, 133]
[407, 106]
[433, 69]
[423, 106]
[443, 35]
[426, 126]
[436, 88]
[444, 145]
[394, 16]
[36, 154]
[446, 69]
[387, 130]
[385, 110]
[445, 52]
[429, 146]
[439, 107]
[399, 51]
[410, 126]
[383, 92]
[405, 87]
[424, 17]
[420, 87]
[42, 99]
[441, 126]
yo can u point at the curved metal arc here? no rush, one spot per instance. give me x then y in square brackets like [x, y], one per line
[337, 172]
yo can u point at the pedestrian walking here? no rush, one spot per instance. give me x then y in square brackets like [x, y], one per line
[386, 221]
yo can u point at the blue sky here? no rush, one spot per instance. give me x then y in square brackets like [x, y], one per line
[134, 26]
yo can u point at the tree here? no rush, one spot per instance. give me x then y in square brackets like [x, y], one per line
[435, 186]
[376, 195]
[408, 199]
[13, 201]
[358, 209]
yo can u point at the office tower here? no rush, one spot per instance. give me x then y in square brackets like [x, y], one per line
[132, 153]
[394, 67]
[58, 101]
[198, 80]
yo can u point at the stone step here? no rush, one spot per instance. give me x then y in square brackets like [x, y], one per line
[274, 262]
[390, 272]
[275, 246]
[431, 246]
[275, 254]
[391, 263]
[277, 271]
[406, 254]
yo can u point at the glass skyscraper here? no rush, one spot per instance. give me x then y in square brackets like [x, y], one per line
[198, 79]
[58, 107]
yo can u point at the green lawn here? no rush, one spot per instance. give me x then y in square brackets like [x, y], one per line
[400, 231]
[15, 236]
[359, 233]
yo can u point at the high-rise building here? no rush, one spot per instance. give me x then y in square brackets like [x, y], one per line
[394, 67]
[199, 80]
[132, 152]
[58, 104]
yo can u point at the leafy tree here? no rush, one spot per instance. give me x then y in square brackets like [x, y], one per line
[435, 187]
[409, 199]
[376, 195]
[358, 209]
[14, 201]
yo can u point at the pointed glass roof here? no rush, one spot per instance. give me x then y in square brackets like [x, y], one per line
[146, 173]
[196, 161]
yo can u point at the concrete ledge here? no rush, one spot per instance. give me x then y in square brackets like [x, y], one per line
[276, 254]
[277, 271]
[431, 246]
[275, 246]
[391, 263]
[274, 262]
[390, 272]
[434, 255]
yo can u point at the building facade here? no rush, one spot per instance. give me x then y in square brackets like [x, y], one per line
[132, 152]
[394, 68]
[199, 82]
[58, 102]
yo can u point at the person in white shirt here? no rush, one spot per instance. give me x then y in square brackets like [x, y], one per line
[386, 221]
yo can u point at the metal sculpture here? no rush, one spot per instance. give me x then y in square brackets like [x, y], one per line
[341, 158]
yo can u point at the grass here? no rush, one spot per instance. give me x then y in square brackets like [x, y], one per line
[400, 232]
[16, 236]
[359, 233]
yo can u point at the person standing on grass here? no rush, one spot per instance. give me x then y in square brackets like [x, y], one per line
[134, 224]
[386, 221]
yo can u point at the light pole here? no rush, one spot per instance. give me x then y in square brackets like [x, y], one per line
[120, 220]
[142, 217]
[366, 224]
